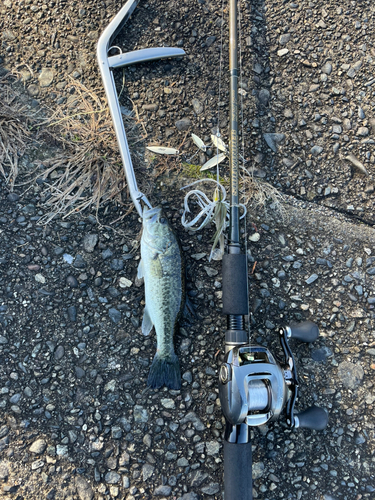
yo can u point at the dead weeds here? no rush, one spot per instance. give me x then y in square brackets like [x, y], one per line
[15, 135]
[261, 195]
[88, 172]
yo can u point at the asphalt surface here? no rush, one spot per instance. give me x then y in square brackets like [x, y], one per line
[77, 419]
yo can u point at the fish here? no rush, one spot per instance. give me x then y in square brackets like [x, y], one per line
[162, 268]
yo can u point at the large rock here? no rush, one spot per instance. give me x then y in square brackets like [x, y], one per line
[183, 124]
[197, 106]
[89, 242]
[4, 470]
[273, 140]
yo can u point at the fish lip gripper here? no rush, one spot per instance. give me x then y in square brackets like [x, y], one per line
[107, 64]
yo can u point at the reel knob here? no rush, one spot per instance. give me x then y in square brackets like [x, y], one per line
[307, 331]
[312, 418]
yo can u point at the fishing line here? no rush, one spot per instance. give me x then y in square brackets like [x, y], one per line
[217, 132]
[243, 156]
[210, 209]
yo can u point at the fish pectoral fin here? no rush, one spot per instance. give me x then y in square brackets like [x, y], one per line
[188, 312]
[146, 323]
[140, 273]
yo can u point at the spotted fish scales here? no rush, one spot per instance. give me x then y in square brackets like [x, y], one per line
[162, 270]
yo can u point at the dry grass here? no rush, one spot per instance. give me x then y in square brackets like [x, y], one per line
[14, 130]
[260, 195]
[88, 172]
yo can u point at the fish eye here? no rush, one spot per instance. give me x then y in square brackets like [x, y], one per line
[163, 220]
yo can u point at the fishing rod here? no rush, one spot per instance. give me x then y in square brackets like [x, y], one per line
[254, 386]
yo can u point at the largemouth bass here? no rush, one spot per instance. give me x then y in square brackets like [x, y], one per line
[162, 270]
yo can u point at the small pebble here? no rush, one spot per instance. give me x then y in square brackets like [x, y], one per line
[38, 446]
[89, 242]
[311, 279]
[72, 281]
[125, 283]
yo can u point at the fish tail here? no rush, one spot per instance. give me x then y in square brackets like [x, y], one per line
[165, 371]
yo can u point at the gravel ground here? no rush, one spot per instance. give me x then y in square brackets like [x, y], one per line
[77, 419]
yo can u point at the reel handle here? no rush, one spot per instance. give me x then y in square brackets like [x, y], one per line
[307, 331]
[312, 418]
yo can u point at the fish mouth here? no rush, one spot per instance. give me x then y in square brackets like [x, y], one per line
[151, 214]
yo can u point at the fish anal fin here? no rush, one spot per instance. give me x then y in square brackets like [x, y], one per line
[146, 322]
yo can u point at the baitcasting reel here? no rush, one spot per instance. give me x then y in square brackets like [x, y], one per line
[254, 387]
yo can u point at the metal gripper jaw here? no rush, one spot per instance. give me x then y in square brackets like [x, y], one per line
[254, 387]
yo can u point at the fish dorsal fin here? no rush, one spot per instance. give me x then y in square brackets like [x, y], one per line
[146, 322]
[140, 273]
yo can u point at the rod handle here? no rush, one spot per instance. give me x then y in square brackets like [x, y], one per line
[238, 481]
[235, 296]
